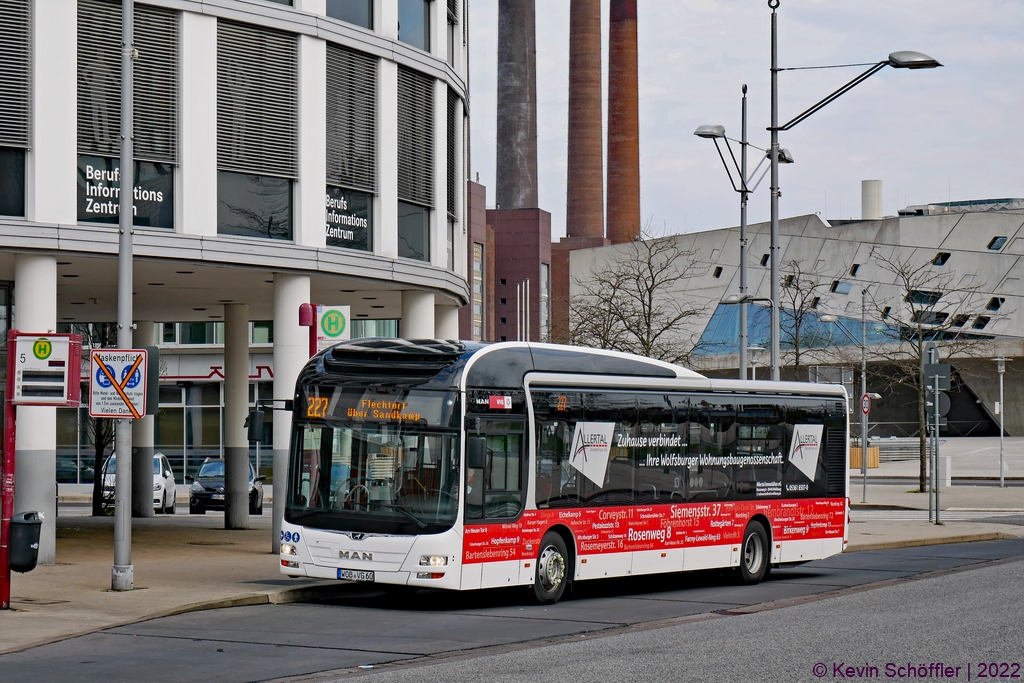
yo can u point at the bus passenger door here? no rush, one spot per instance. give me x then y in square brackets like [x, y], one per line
[494, 495]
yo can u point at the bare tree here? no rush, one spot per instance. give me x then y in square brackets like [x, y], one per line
[933, 307]
[99, 430]
[803, 293]
[632, 302]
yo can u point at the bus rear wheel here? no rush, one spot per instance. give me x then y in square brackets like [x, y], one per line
[552, 569]
[754, 554]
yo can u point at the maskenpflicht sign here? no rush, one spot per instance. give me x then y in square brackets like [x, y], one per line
[117, 383]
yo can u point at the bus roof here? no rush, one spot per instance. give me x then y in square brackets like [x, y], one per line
[453, 365]
[440, 364]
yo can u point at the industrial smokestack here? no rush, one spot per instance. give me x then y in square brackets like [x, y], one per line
[623, 125]
[585, 187]
[517, 105]
[870, 200]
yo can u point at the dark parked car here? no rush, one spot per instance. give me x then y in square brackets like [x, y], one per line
[207, 490]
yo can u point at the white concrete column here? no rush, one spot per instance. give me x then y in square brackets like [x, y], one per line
[461, 176]
[291, 352]
[52, 163]
[386, 18]
[310, 214]
[446, 320]
[236, 406]
[35, 454]
[439, 30]
[385, 209]
[142, 436]
[439, 216]
[417, 315]
[198, 143]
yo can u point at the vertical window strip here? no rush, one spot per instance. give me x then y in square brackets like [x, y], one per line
[257, 100]
[453, 101]
[415, 137]
[99, 80]
[15, 73]
[351, 119]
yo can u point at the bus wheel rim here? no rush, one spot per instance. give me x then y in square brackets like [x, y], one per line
[552, 568]
[752, 554]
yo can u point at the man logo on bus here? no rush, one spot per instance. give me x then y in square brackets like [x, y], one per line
[591, 444]
[805, 448]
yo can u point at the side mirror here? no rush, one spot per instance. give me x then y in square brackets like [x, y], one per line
[262, 477]
[254, 425]
[188, 477]
[476, 452]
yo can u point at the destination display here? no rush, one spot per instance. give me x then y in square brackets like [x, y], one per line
[373, 405]
[654, 527]
[99, 192]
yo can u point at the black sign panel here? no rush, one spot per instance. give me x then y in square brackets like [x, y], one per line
[349, 215]
[99, 191]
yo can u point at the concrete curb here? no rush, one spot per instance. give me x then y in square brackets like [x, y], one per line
[941, 540]
[288, 595]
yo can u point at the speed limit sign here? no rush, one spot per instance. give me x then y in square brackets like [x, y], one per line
[865, 404]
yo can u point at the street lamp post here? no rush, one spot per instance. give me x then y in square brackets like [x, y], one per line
[1001, 369]
[864, 396]
[898, 60]
[715, 132]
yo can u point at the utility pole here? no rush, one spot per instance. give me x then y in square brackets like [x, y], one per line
[123, 572]
[744, 192]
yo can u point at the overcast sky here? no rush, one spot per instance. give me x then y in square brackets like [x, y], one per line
[930, 136]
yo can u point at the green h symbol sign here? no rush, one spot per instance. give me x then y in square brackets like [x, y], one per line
[332, 323]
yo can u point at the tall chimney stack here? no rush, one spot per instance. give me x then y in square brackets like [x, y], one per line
[623, 125]
[517, 105]
[585, 187]
[870, 200]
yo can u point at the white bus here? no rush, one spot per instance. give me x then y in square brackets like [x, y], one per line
[462, 465]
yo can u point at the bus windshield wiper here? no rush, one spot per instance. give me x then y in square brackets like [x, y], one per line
[419, 522]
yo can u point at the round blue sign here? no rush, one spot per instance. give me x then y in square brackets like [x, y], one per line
[101, 377]
[135, 378]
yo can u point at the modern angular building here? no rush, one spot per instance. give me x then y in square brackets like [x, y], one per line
[286, 151]
[971, 253]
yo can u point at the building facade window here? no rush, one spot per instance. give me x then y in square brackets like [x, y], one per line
[453, 30]
[545, 302]
[99, 113]
[16, 96]
[413, 231]
[375, 328]
[257, 130]
[414, 23]
[415, 163]
[351, 147]
[478, 291]
[358, 12]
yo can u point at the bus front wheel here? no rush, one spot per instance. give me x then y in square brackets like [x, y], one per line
[754, 554]
[552, 569]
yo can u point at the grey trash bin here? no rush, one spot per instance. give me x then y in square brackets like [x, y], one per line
[25, 540]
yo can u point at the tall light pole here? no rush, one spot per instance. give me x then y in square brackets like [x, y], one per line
[1001, 369]
[897, 60]
[123, 572]
[744, 188]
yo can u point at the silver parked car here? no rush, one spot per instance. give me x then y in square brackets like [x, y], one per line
[164, 489]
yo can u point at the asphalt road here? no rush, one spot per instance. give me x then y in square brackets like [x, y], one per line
[676, 627]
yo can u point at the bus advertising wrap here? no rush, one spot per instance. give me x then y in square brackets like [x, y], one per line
[654, 527]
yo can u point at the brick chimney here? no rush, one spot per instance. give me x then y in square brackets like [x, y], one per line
[517, 105]
[623, 125]
[585, 187]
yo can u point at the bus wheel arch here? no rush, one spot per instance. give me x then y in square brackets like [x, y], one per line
[554, 565]
[766, 523]
[755, 551]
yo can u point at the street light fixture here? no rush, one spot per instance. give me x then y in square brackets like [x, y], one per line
[1001, 369]
[753, 350]
[716, 133]
[865, 398]
[898, 60]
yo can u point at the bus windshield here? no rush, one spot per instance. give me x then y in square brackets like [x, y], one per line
[374, 477]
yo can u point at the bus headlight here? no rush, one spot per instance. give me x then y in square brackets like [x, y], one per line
[433, 560]
[288, 549]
